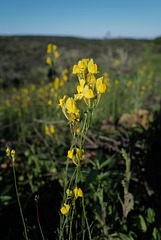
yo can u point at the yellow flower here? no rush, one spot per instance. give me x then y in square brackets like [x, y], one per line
[64, 210]
[78, 192]
[52, 129]
[101, 87]
[65, 78]
[48, 60]
[78, 130]
[71, 106]
[75, 154]
[70, 154]
[62, 101]
[92, 67]
[56, 54]
[75, 69]
[88, 93]
[8, 152]
[56, 83]
[143, 88]
[80, 90]
[81, 66]
[65, 71]
[69, 192]
[13, 153]
[49, 102]
[47, 131]
[54, 47]
[116, 82]
[105, 74]
[49, 48]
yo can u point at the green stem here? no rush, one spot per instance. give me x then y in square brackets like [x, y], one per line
[14, 173]
[39, 220]
[84, 211]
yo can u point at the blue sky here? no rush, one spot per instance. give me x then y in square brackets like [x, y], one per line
[80, 18]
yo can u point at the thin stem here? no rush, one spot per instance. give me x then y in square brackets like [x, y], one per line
[25, 229]
[39, 219]
[84, 211]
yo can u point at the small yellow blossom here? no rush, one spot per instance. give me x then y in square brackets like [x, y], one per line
[54, 47]
[101, 87]
[62, 101]
[48, 60]
[116, 82]
[65, 78]
[92, 67]
[56, 83]
[78, 130]
[75, 154]
[78, 192]
[69, 192]
[65, 71]
[88, 93]
[52, 129]
[56, 54]
[13, 153]
[65, 209]
[49, 102]
[49, 48]
[70, 154]
[75, 69]
[71, 106]
[105, 74]
[81, 66]
[8, 152]
[49, 130]
[143, 88]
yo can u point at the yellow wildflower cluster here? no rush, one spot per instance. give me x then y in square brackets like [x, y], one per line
[89, 88]
[49, 130]
[59, 82]
[77, 193]
[52, 54]
[75, 154]
[11, 154]
[143, 89]
[69, 109]
[143, 70]
[65, 74]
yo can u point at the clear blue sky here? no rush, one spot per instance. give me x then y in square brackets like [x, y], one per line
[82, 18]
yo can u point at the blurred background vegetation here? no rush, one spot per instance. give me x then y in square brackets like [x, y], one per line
[128, 117]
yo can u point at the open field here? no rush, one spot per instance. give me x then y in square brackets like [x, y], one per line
[102, 143]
